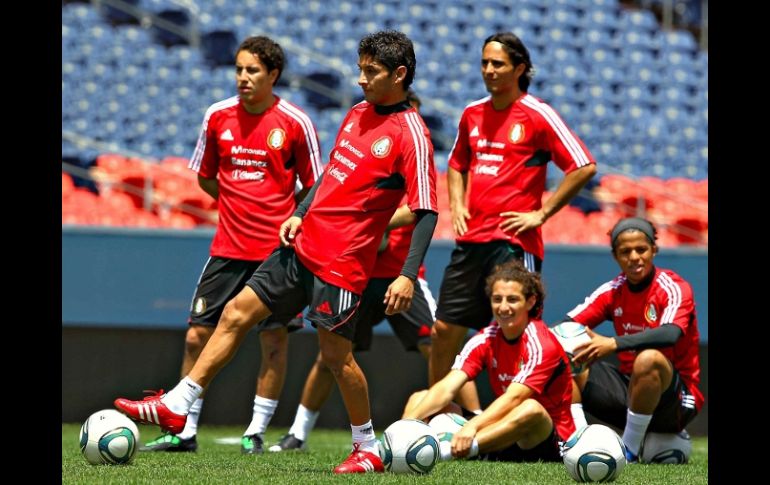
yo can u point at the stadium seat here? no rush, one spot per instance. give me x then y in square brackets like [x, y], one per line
[67, 185]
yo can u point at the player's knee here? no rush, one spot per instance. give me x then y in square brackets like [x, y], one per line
[650, 361]
[439, 332]
[196, 338]
[275, 344]
[530, 412]
[274, 340]
[333, 359]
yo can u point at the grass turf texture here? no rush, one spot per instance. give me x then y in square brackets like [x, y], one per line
[216, 463]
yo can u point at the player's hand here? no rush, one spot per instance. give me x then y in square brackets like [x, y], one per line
[462, 441]
[289, 230]
[398, 298]
[599, 346]
[459, 216]
[521, 221]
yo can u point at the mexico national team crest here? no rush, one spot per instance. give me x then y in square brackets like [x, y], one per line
[517, 133]
[650, 314]
[381, 147]
[199, 305]
[276, 138]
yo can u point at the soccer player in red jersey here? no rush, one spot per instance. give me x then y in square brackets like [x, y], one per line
[412, 326]
[496, 179]
[528, 372]
[251, 151]
[329, 246]
[653, 312]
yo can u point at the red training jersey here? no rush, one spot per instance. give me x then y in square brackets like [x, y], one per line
[536, 360]
[505, 154]
[377, 158]
[667, 300]
[257, 159]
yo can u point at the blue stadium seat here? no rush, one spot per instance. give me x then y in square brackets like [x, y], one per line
[639, 20]
[678, 40]
[219, 46]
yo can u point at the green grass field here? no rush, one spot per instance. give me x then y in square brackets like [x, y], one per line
[223, 464]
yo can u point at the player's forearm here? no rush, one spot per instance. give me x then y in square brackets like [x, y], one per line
[654, 338]
[210, 186]
[456, 184]
[421, 237]
[568, 189]
[402, 217]
[497, 410]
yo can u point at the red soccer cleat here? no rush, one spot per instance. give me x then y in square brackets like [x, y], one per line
[152, 411]
[360, 462]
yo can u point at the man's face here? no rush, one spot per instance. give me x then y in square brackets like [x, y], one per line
[634, 255]
[510, 307]
[379, 86]
[500, 76]
[254, 82]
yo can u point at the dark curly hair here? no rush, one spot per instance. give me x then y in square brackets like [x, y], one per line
[530, 282]
[268, 51]
[391, 49]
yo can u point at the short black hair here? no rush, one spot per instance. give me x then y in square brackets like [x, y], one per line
[517, 52]
[391, 49]
[633, 224]
[268, 51]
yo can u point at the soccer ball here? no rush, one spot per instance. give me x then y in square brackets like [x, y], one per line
[409, 446]
[571, 335]
[671, 448]
[594, 453]
[447, 424]
[108, 437]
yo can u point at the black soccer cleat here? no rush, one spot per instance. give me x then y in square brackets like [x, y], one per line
[252, 445]
[289, 442]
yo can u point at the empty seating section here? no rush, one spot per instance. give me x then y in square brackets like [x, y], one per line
[636, 94]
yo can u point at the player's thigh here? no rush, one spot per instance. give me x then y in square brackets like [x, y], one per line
[221, 281]
[605, 394]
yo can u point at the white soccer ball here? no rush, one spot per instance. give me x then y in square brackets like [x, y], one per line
[446, 425]
[571, 335]
[409, 446]
[108, 437]
[594, 453]
[671, 448]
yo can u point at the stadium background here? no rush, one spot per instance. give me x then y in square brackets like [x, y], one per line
[138, 75]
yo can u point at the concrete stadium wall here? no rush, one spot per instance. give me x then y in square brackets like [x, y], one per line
[146, 278]
[126, 294]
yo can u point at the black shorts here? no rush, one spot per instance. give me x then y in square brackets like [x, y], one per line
[222, 279]
[462, 300]
[411, 327]
[606, 397]
[286, 286]
[547, 450]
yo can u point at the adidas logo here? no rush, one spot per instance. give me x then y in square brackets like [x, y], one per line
[324, 308]
[475, 131]
[227, 135]
[348, 127]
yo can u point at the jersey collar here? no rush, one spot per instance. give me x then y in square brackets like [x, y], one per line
[392, 108]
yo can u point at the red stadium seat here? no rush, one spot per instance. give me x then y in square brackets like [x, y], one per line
[67, 185]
